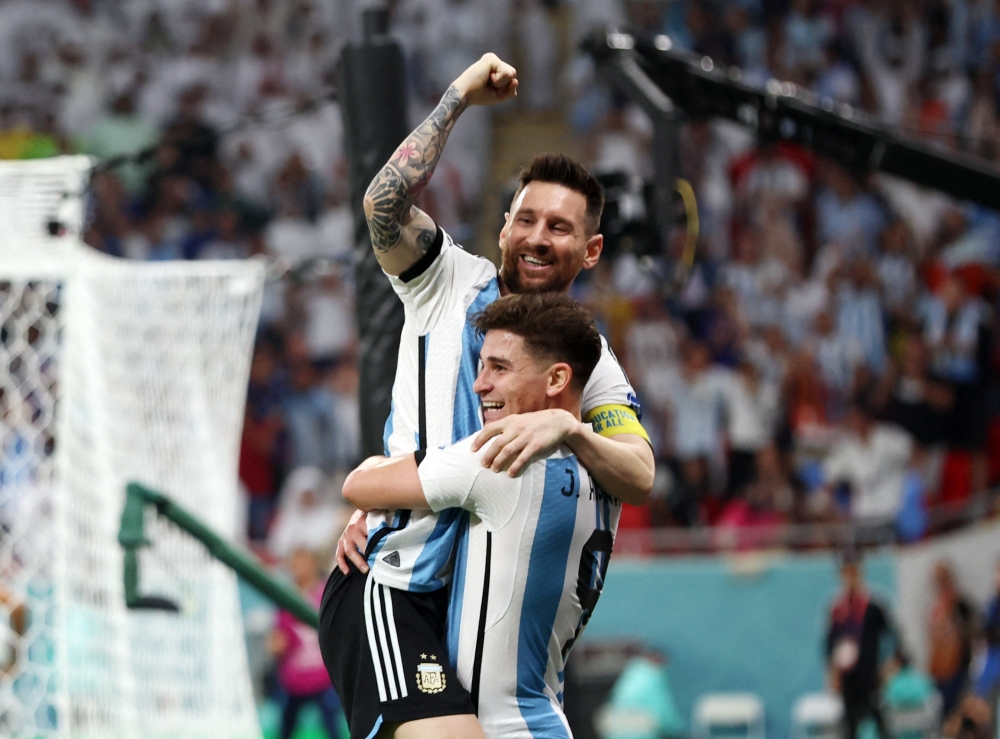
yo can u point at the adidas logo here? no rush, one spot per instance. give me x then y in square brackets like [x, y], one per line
[392, 558]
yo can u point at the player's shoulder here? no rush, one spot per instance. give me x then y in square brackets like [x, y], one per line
[608, 382]
[445, 260]
[457, 251]
[609, 360]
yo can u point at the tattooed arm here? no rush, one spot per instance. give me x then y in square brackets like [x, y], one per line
[402, 233]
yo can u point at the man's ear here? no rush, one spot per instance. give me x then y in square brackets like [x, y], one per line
[595, 245]
[560, 375]
[503, 231]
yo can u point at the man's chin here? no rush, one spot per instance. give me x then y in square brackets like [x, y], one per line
[517, 282]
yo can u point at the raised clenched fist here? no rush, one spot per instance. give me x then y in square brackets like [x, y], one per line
[490, 80]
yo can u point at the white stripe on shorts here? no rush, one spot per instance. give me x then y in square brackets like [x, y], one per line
[383, 643]
[372, 644]
[391, 624]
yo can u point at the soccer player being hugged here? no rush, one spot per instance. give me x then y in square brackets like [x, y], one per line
[396, 565]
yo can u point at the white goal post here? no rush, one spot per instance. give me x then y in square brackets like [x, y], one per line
[113, 371]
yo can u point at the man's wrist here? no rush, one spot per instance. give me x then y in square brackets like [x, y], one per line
[462, 87]
[576, 429]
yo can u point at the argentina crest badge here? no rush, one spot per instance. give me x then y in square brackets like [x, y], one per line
[430, 676]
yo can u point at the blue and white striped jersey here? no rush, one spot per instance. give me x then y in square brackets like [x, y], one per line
[433, 404]
[534, 563]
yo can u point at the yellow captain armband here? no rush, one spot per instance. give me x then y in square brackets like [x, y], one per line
[611, 420]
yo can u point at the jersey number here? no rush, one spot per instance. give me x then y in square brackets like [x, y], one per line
[593, 567]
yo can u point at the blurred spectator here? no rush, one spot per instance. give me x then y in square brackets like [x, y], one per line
[751, 408]
[696, 395]
[987, 682]
[837, 79]
[858, 627]
[13, 626]
[896, 273]
[917, 402]
[121, 131]
[847, 217]
[807, 31]
[838, 358]
[301, 672]
[860, 318]
[308, 517]
[764, 503]
[891, 48]
[872, 460]
[949, 638]
[311, 418]
[958, 334]
[971, 720]
[642, 704]
[262, 446]
[329, 310]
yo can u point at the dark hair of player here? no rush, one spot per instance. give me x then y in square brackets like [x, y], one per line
[562, 170]
[554, 327]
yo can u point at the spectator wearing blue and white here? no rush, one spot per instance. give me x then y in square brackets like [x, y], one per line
[807, 31]
[894, 267]
[953, 326]
[697, 393]
[958, 330]
[847, 217]
[859, 313]
[838, 357]
[838, 81]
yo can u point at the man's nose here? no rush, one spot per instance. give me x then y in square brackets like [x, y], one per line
[539, 235]
[480, 385]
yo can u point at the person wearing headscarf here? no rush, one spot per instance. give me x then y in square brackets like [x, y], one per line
[309, 516]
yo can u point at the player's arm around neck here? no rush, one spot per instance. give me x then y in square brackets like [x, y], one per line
[385, 482]
[622, 464]
[402, 233]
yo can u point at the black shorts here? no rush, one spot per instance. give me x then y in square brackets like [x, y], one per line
[385, 652]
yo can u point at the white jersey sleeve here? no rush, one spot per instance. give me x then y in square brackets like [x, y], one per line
[454, 477]
[609, 402]
[431, 292]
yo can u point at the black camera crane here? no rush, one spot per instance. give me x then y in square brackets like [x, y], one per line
[657, 78]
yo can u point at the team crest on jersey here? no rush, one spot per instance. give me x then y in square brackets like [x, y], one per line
[430, 676]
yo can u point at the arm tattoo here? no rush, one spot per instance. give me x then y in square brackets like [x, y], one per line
[392, 193]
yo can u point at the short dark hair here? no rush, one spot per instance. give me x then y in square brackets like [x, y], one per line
[561, 170]
[554, 327]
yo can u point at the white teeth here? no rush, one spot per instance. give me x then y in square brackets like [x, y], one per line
[492, 405]
[533, 260]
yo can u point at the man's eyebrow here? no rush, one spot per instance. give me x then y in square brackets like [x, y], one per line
[496, 360]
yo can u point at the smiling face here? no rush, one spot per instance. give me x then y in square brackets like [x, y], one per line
[545, 240]
[512, 380]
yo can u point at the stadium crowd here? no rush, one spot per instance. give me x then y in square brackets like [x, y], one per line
[831, 357]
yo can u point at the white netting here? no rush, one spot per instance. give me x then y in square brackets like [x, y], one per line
[112, 371]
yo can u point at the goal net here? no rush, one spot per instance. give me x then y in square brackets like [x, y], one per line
[113, 371]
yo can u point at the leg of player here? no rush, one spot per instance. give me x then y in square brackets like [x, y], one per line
[465, 726]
